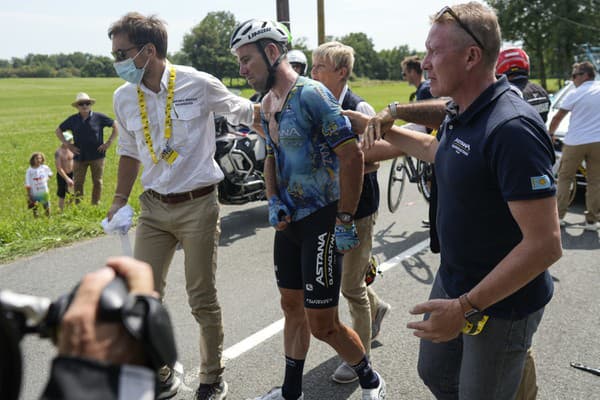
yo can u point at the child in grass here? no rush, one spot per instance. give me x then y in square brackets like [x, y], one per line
[36, 183]
[63, 158]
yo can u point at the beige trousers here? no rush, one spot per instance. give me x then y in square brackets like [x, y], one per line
[80, 170]
[194, 224]
[354, 288]
[528, 388]
[569, 162]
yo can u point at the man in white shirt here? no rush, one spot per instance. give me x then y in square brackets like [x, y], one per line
[582, 142]
[167, 115]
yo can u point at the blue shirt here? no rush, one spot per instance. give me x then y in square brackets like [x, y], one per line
[496, 151]
[310, 127]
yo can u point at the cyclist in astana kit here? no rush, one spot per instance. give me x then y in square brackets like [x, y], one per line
[313, 185]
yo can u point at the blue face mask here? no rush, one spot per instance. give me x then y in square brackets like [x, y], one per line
[128, 71]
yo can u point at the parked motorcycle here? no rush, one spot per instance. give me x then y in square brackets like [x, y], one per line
[241, 155]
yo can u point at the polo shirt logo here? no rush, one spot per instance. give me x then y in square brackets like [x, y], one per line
[461, 147]
[540, 182]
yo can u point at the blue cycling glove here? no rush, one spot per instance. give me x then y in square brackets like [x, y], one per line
[277, 210]
[346, 237]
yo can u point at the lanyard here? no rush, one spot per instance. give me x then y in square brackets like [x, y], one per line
[168, 122]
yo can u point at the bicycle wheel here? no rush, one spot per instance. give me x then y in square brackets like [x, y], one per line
[396, 181]
[425, 174]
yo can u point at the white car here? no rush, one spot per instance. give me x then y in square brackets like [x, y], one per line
[556, 100]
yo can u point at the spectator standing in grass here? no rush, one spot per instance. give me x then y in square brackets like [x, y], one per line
[89, 146]
[63, 158]
[36, 183]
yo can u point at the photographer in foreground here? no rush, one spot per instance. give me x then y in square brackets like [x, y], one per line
[111, 331]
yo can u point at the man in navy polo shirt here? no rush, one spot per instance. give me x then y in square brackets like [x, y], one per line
[89, 146]
[498, 226]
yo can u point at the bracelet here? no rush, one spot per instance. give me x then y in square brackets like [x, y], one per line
[393, 107]
[464, 303]
[466, 297]
[121, 196]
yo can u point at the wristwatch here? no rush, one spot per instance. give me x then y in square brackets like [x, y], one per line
[345, 217]
[393, 107]
[471, 313]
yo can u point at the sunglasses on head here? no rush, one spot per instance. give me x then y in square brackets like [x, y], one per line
[84, 103]
[448, 10]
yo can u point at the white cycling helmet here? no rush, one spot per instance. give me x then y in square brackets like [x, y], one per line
[258, 31]
[298, 57]
[254, 30]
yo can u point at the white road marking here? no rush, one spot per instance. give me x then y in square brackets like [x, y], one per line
[253, 340]
[394, 261]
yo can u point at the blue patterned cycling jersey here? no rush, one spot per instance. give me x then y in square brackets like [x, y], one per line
[310, 127]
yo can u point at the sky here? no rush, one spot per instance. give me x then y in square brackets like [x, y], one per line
[67, 26]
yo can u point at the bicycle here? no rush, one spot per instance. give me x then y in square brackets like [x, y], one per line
[404, 168]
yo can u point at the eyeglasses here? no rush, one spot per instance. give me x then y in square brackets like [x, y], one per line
[448, 10]
[576, 74]
[85, 103]
[121, 54]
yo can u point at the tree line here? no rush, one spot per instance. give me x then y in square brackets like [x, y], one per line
[205, 47]
[549, 30]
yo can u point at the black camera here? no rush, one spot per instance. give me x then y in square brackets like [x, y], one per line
[144, 318]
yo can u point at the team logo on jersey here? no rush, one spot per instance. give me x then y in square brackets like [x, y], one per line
[461, 147]
[324, 260]
[540, 182]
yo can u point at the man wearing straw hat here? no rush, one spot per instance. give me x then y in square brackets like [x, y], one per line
[89, 146]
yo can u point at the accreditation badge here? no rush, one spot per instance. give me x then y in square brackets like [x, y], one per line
[169, 154]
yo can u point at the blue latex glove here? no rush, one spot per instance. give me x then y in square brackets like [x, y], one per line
[278, 211]
[346, 237]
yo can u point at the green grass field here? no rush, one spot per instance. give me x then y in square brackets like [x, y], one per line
[30, 111]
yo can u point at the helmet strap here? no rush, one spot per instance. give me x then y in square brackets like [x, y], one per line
[271, 68]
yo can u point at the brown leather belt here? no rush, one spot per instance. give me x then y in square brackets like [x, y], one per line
[174, 198]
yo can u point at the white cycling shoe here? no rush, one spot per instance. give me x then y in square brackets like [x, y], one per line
[377, 393]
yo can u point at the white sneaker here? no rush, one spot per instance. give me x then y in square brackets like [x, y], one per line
[275, 394]
[591, 226]
[382, 309]
[344, 374]
[377, 393]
